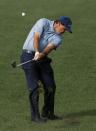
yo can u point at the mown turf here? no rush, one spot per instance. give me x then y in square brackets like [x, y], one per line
[74, 65]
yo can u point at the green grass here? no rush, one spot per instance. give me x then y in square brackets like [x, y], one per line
[74, 65]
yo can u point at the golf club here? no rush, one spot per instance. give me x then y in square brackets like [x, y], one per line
[14, 65]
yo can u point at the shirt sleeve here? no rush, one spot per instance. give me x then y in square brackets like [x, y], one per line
[39, 26]
[56, 42]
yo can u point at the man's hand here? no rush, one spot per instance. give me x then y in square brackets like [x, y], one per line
[38, 56]
[45, 52]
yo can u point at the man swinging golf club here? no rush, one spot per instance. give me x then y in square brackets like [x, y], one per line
[44, 37]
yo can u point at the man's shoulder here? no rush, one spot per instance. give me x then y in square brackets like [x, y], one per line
[44, 20]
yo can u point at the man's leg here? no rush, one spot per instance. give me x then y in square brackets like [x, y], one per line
[49, 89]
[33, 95]
[32, 77]
[34, 99]
[48, 108]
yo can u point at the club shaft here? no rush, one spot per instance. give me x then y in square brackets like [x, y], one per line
[24, 63]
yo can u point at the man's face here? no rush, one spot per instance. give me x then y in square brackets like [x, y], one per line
[59, 28]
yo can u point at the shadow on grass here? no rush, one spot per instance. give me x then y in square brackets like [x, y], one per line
[74, 119]
[81, 114]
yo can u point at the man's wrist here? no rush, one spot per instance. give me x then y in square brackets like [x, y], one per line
[36, 50]
[43, 53]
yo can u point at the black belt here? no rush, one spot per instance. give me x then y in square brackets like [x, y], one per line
[28, 51]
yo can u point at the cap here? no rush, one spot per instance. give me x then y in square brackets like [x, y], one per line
[66, 21]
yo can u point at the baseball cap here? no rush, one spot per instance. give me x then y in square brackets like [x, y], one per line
[66, 21]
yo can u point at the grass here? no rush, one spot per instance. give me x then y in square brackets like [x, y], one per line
[74, 65]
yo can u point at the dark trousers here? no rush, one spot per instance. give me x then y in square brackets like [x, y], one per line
[40, 70]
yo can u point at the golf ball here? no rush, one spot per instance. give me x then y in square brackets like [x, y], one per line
[23, 13]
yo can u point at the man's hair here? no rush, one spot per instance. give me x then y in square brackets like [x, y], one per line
[57, 21]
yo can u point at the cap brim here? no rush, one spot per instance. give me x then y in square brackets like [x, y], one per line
[69, 30]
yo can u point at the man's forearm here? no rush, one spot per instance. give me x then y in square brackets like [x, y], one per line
[45, 52]
[48, 49]
[36, 42]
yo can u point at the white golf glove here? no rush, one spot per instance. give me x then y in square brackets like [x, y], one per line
[36, 55]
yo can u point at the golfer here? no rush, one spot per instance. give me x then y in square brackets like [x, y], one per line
[45, 36]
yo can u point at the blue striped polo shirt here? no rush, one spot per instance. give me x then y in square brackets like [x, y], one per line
[47, 35]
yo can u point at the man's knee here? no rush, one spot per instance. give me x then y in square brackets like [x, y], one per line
[50, 90]
[34, 94]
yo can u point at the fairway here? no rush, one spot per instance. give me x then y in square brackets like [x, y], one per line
[74, 65]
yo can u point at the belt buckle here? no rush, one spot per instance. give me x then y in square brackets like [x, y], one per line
[29, 51]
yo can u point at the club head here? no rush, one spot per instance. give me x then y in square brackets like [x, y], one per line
[13, 64]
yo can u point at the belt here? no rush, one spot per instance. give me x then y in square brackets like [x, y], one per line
[28, 51]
